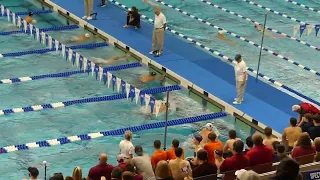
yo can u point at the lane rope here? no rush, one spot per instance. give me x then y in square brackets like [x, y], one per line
[275, 12]
[82, 62]
[65, 74]
[255, 22]
[123, 95]
[34, 12]
[302, 5]
[241, 38]
[116, 132]
[221, 55]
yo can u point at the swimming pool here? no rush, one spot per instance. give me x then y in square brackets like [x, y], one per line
[79, 119]
[271, 66]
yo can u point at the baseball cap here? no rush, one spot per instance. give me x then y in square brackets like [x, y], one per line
[247, 175]
[33, 171]
[209, 126]
[197, 137]
[237, 57]
[138, 149]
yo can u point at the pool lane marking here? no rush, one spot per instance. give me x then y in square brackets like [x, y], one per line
[255, 22]
[222, 56]
[123, 95]
[116, 132]
[34, 12]
[302, 5]
[275, 12]
[66, 74]
[59, 28]
[241, 38]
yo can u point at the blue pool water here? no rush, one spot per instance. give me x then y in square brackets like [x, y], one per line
[79, 119]
[272, 66]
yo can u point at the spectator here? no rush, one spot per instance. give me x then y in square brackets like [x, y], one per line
[33, 173]
[268, 139]
[306, 122]
[116, 173]
[274, 145]
[121, 161]
[204, 168]
[291, 134]
[158, 154]
[171, 152]
[314, 131]
[163, 171]
[218, 156]
[317, 147]
[304, 108]
[143, 164]
[160, 25]
[241, 78]
[130, 167]
[133, 18]
[288, 169]
[304, 146]
[57, 176]
[247, 175]
[88, 6]
[249, 144]
[77, 173]
[179, 172]
[228, 147]
[127, 175]
[197, 138]
[237, 161]
[126, 146]
[69, 178]
[260, 154]
[212, 146]
[102, 169]
[280, 152]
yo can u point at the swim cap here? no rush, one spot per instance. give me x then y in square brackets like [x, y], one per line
[218, 152]
[87, 35]
[197, 137]
[153, 73]
[209, 126]
[295, 107]
[222, 31]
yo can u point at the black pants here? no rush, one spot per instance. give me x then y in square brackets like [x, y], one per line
[103, 1]
[135, 23]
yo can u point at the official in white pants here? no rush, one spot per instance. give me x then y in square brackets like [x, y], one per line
[88, 6]
[241, 78]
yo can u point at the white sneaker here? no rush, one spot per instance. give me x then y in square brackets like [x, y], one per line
[152, 52]
[89, 18]
[237, 99]
[84, 17]
[236, 102]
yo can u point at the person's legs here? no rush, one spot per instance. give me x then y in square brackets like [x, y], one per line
[154, 40]
[241, 87]
[90, 6]
[128, 19]
[86, 6]
[160, 38]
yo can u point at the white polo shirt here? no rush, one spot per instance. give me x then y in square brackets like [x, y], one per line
[159, 21]
[126, 148]
[239, 69]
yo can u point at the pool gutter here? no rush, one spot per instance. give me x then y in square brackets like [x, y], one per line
[224, 106]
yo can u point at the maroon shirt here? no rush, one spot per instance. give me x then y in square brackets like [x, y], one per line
[204, 170]
[138, 177]
[98, 171]
[122, 165]
[235, 162]
[299, 151]
[260, 154]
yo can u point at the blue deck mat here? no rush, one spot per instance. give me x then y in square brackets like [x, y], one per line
[263, 102]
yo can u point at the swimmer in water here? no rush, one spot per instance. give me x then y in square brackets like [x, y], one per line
[29, 18]
[81, 38]
[260, 29]
[151, 4]
[223, 37]
[110, 60]
[150, 77]
[205, 132]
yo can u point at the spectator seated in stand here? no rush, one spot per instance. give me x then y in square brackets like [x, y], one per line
[133, 18]
[268, 139]
[228, 147]
[218, 156]
[291, 134]
[130, 167]
[314, 131]
[116, 173]
[288, 169]
[171, 152]
[280, 152]
[237, 161]
[121, 164]
[249, 144]
[102, 169]
[180, 168]
[158, 154]
[212, 146]
[304, 147]
[142, 164]
[317, 147]
[57, 176]
[162, 171]
[260, 154]
[204, 168]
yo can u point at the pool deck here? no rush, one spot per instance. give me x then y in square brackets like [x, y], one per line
[264, 105]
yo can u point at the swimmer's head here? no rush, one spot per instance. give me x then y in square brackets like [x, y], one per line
[197, 137]
[152, 74]
[30, 13]
[87, 35]
[222, 31]
[209, 126]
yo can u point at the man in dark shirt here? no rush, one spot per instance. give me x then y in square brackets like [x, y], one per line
[204, 168]
[249, 144]
[260, 154]
[237, 161]
[102, 169]
[314, 131]
[133, 18]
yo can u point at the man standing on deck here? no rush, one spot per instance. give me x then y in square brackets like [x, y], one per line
[160, 24]
[241, 78]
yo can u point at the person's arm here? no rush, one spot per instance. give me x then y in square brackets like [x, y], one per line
[244, 73]
[164, 21]
[151, 3]
[226, 147]
[284, 138]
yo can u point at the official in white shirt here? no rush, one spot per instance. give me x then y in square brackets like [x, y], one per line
[241, 78]
[158, 32]
[126, 146]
